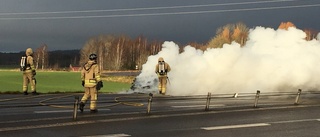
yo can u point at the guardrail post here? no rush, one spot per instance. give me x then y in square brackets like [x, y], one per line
[298, 97]
[75, 107]
[235, 95]
[149, 103]
[208, 101]
[256, 99]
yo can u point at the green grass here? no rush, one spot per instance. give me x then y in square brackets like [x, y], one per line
[50, 82]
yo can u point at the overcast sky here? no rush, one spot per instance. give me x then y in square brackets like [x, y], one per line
[68, 24]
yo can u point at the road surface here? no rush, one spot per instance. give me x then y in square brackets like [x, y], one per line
[122, 115]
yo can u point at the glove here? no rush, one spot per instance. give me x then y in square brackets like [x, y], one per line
[34, 72]
[34, 80]
[82, 83]
[99, 85]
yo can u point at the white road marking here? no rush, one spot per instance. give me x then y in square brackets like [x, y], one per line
[257, 124]
[134, 118]
[189, 102]
[188, 106]
[236, 126]
[62, 111]
[53, 111]
[293, 121]
[110, 135]
[46, 126]
[193, 106]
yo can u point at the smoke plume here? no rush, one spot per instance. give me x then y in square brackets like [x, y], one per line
[271, 61]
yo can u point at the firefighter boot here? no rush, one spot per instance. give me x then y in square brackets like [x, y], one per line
[25, 93]
[81, 106]
[93, 110]
[163, 91]
[35, 93]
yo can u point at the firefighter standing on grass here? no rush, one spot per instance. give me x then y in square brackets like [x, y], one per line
[162, 68]
[29, 72]
[91, 81]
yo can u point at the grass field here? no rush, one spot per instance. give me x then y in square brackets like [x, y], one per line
[51, 82]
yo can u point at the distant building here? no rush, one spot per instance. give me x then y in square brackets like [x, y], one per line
[74, 68]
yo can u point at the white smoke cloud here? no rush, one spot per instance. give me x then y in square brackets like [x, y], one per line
[271, 61]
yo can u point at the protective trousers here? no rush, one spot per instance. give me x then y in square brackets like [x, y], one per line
[93, 93]
[28, 78]
[162, 84]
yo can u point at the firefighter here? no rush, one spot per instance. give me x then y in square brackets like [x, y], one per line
[91, 81]
[29, 73]
[162, 68]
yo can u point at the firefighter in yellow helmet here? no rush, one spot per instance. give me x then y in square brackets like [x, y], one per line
[162, 68]
[29, 73]
[91, 81]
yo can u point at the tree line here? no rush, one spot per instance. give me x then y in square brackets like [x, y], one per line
[52, 60]
[119, 52]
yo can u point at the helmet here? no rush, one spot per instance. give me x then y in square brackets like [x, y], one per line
[92, 56]
[29, 52]
[160, 59]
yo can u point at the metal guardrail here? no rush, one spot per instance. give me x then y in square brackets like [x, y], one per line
[140, 100]
[75, 108]
[209, 97]
[257, 96]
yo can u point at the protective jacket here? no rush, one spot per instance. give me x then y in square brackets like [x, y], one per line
[30, 64]
[90, 74]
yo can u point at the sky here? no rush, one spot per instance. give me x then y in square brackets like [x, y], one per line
[68, 24]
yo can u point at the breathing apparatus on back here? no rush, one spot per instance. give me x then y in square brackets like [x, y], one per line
[24, 60]
[161, 63]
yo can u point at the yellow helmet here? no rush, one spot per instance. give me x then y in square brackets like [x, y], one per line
[29, 52]
[160, 59]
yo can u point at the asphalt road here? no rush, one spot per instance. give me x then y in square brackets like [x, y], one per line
[123, 115]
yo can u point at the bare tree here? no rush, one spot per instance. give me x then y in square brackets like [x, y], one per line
[44, 56]
[105, 42]
[155, 47]
[311, 34]
[286, 25]
[240, 33]
[41, 56]
[141, 51]
[228, 33]
[99, 45]
[87, 49]
[222, 37]
[37, 55]
[197, 45]
[117, 52]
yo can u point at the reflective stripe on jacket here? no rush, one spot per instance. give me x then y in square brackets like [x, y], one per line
[90, 74]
